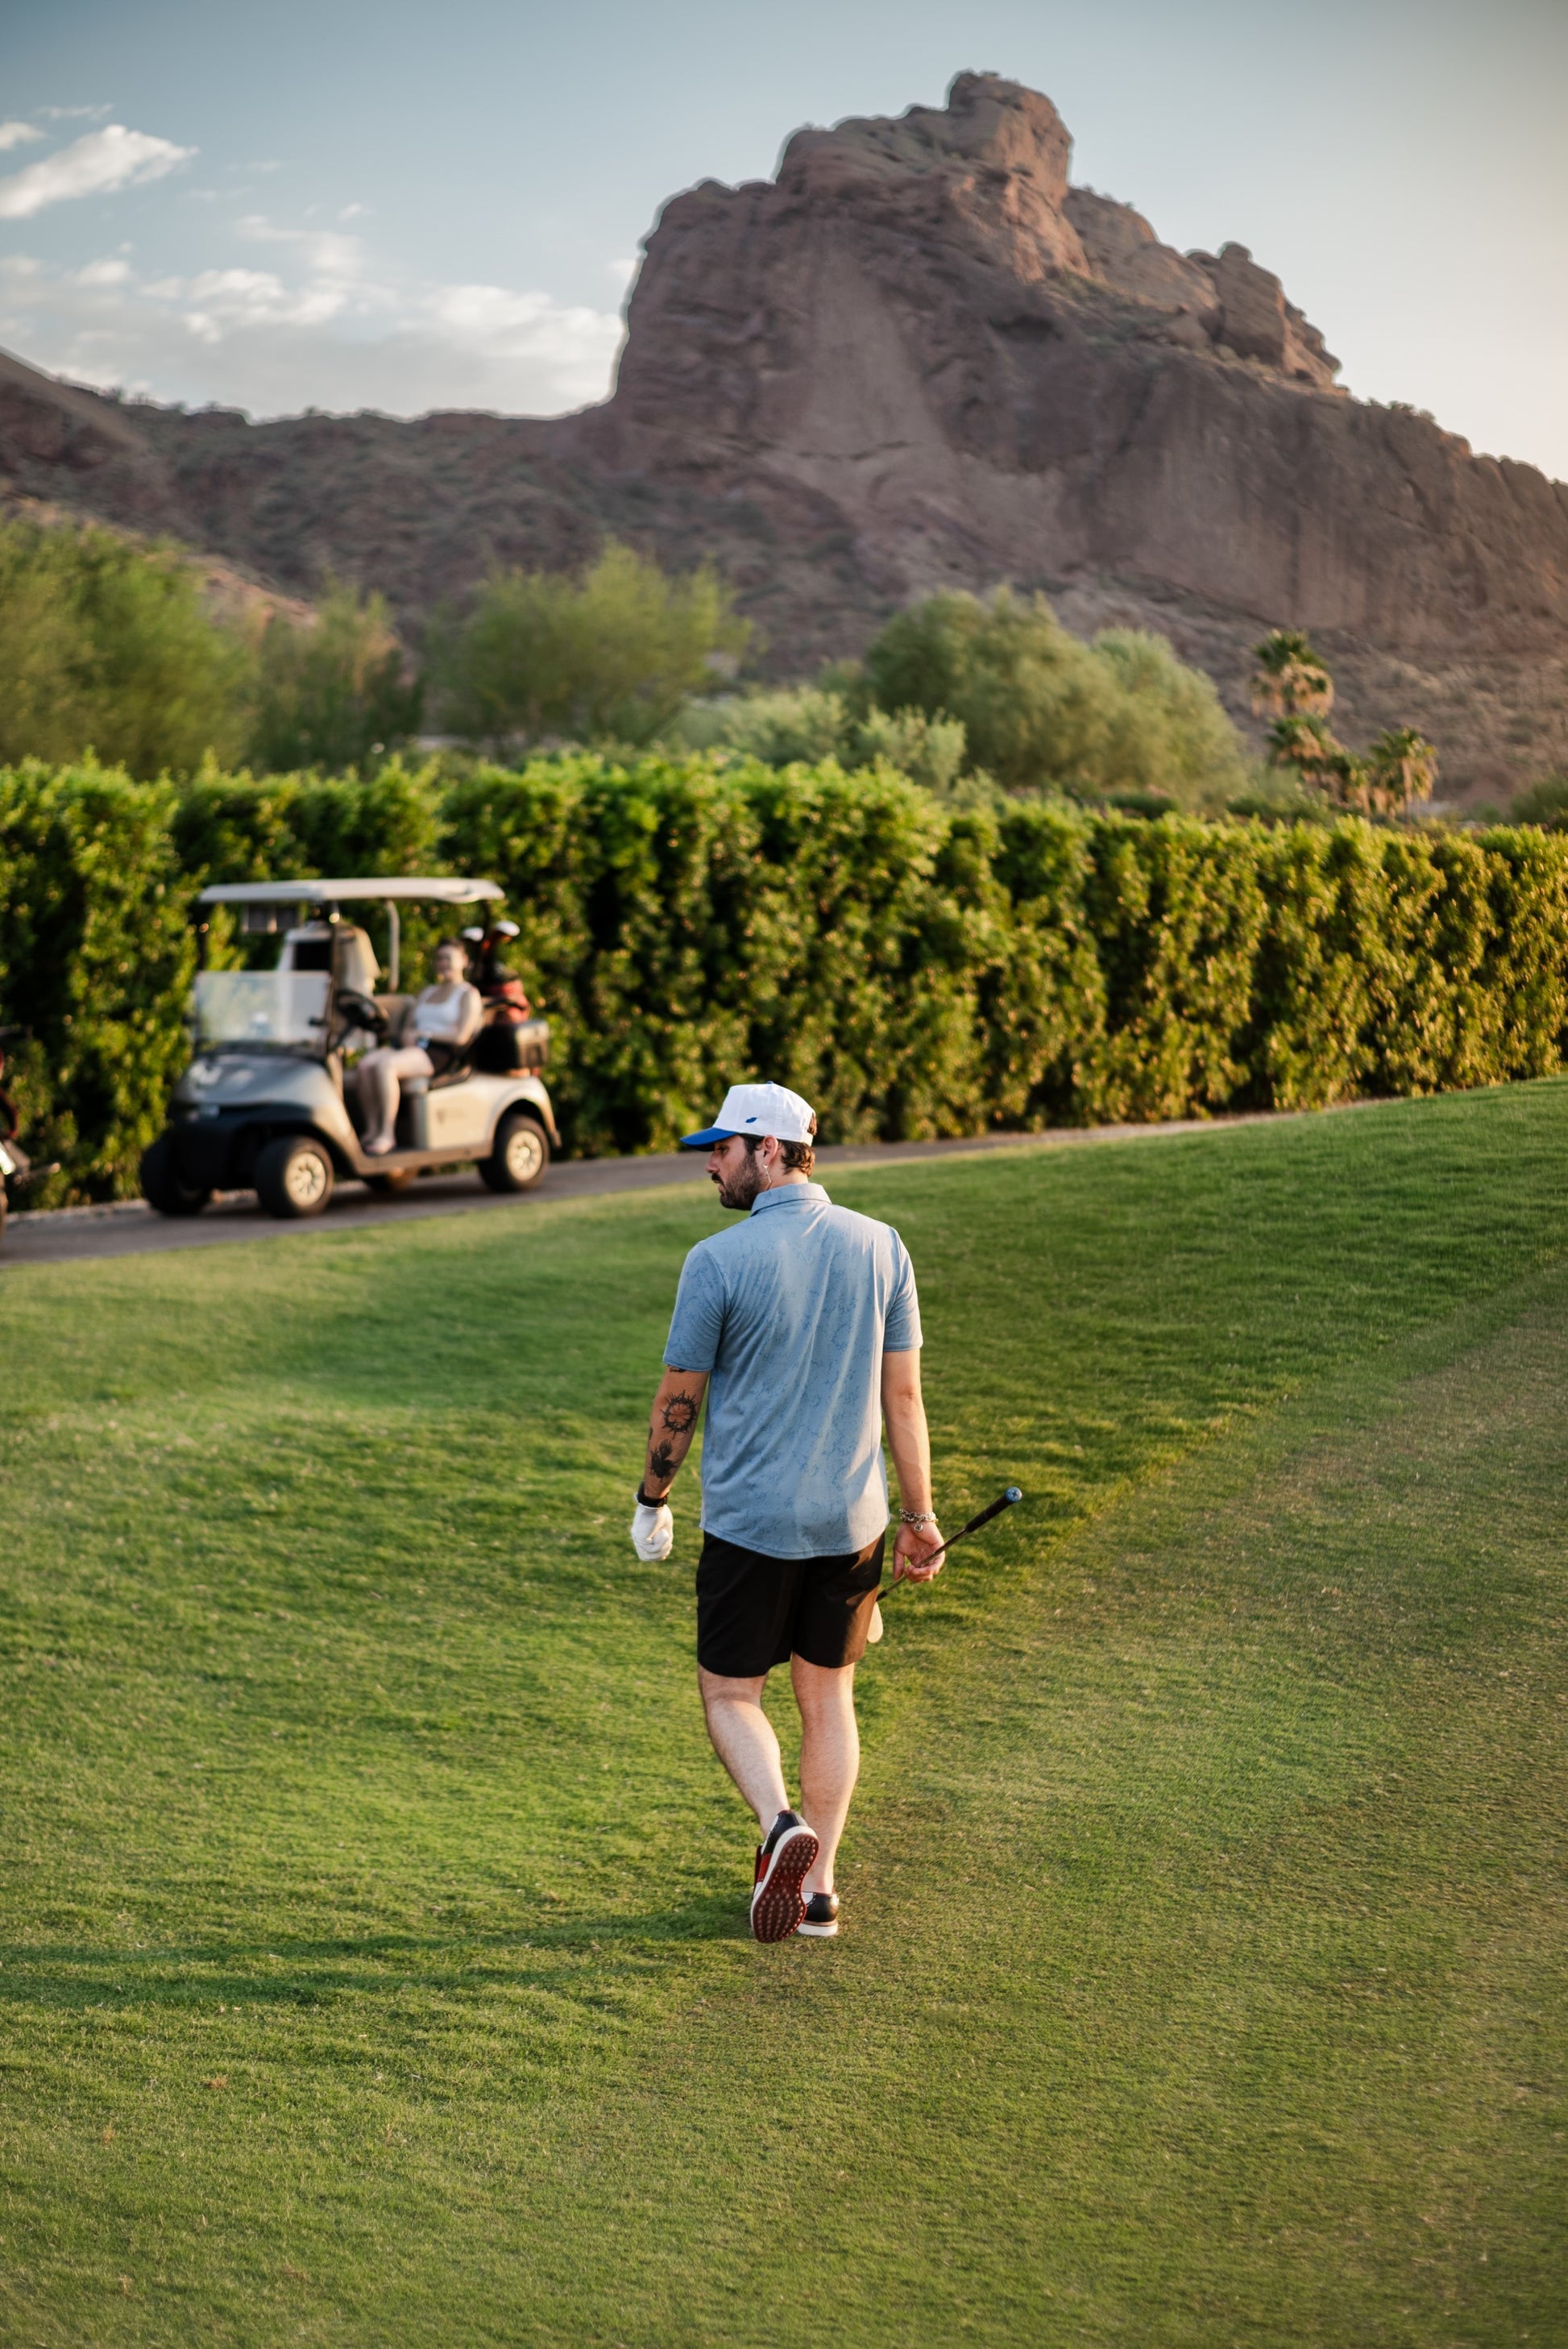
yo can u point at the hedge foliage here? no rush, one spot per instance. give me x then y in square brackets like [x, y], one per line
[914, 969]
[96, 959]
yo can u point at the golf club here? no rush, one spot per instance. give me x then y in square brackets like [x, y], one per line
[1007, 1500]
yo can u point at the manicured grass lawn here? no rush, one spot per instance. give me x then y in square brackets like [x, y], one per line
[373, 1968]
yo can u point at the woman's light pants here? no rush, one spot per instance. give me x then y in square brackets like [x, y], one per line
[380, 1077]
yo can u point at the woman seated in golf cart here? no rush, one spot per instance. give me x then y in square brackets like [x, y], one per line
[439, 1025]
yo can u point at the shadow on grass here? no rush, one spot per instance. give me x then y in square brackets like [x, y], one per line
[314, 1971]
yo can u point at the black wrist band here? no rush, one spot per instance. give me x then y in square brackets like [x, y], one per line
[646, 1501]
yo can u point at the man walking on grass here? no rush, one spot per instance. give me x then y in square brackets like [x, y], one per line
[801, 1327]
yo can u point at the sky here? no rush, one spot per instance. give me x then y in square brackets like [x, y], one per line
[399, 205]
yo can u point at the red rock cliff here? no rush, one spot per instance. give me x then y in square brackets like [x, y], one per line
[920, 357]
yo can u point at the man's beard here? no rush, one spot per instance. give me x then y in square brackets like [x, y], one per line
[743, 1186]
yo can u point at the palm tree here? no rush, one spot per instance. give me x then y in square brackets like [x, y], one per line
[1292, 686]
[1290, 680]
[1323, 765]
[1401, 768]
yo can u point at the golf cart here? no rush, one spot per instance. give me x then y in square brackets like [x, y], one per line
[265, 1102]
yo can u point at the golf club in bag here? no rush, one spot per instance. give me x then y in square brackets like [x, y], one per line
[1007, 1500]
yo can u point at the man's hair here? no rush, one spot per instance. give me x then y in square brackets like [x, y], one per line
[799, 1157]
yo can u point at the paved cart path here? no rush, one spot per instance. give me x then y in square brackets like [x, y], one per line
[130, 1227]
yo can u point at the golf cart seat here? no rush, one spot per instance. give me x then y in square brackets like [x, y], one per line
[358, 968]
[341, 948]
[461, 1066]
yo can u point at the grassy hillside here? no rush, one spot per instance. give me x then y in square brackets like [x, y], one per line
[374, 1967]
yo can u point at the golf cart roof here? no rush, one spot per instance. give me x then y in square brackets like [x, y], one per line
[342, 893]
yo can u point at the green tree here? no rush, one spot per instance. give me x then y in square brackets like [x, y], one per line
[105, 645]
[1170, 733]
[611, 655]
[1034, 706]
[1041, 710]
[334, 692]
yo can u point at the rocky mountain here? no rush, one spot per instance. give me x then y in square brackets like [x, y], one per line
[919, 357]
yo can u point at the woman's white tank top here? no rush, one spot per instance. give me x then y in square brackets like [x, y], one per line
[442, 1021]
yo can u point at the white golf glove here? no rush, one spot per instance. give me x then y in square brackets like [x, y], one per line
[653, 1532]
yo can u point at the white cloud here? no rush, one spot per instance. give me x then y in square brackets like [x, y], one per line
[18, 134]
[94, 165]
[326, 250]
[320, 329]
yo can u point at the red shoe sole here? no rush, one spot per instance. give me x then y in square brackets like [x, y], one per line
[777, 1904]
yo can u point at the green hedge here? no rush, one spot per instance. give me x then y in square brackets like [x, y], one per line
[96, 959]
[914, 969]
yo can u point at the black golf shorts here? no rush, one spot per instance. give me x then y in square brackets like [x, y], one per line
[754, 1611]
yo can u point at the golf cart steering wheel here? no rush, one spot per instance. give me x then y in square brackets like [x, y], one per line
[359, 1011]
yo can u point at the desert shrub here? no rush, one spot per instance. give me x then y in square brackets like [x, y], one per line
[797, 724]
[1170, 734]
[808, 724]
[612, 656]
[335, 691]
[1043, 711]
[1545, 802]
[804, 725]
[932, 751]
[106, 647]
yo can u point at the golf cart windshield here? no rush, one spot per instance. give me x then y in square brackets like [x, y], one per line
[261, 1007]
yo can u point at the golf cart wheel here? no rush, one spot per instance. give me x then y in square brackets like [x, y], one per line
[294, 1176]
[161, 1185]
[520, 1154]
[390, 1186]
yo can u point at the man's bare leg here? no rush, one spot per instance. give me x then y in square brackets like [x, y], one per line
[744, 1741]
[830, 1758]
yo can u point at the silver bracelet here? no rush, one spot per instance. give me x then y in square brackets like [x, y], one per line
[917, 1517]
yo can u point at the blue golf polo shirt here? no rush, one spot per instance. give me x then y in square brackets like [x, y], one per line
[790, 1313]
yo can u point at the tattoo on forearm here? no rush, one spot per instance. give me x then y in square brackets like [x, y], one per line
[677, 1415]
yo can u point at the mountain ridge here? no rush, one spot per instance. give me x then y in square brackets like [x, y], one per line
[919, 357]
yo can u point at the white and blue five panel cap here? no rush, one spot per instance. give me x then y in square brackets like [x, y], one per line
[759, 1109]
